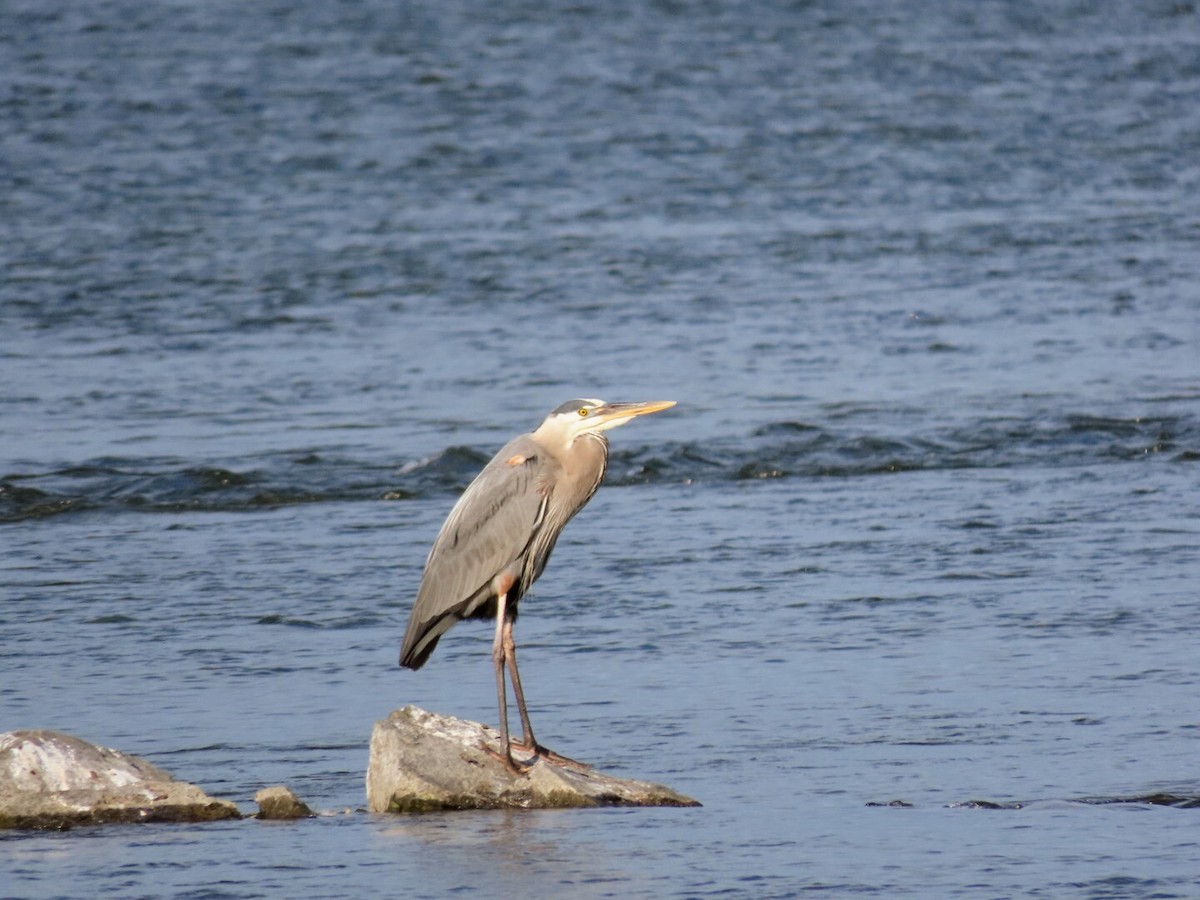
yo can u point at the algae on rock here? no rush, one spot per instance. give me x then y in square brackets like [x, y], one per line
[425, 762]
[53, 780]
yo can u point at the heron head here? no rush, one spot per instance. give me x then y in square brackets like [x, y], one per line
[579, 417]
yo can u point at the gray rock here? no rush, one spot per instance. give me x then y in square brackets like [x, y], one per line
[422, 762]
[53, 780]
[280, 803]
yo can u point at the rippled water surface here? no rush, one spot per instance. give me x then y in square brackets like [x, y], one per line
[903, 591]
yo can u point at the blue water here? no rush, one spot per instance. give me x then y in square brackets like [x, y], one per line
[903, 591]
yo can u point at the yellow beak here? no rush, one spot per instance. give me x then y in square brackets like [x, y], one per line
[627, 411]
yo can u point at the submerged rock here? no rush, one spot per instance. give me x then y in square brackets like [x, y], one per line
[280, 803]
[53, 780]
[422, 762]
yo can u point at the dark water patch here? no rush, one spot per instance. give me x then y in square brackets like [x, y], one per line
[266, 322]
[785, 449]
[985, 804]
[204, 748]
[17, 503]
[803, 450]
[358, 620]
[1174, 801]
[289, 621]
[157, 485]
[645, 465]
[775, 429]
[453, 467]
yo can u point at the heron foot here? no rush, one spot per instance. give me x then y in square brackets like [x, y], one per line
[557, 759]
[517, 768]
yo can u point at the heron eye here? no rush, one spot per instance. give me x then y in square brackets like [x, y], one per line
[583, 411]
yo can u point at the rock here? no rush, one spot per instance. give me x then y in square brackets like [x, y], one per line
[422, 762]
[53, 780]
[280, 803]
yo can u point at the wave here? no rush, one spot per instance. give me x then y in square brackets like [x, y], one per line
[784, 449]
[1175, 801]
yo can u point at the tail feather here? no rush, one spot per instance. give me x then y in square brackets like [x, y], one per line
[421, 638]
[414, 657]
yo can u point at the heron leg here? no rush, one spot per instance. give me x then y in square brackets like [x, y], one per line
[510, 653]
[529, 741]
[498, 665]
[499, 654]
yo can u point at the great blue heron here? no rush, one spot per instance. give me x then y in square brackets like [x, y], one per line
[497, 538]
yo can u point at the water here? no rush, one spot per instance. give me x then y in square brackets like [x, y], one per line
[920, 539]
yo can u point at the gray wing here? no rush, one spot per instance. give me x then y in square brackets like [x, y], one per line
[488, 531]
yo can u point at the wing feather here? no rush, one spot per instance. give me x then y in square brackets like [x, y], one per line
[488, 532]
